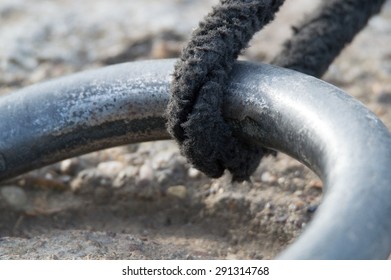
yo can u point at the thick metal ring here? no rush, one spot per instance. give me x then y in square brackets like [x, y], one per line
[314, 122]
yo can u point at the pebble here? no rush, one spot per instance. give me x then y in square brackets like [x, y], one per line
[177, 191]
[312, 208]
[165, 49]
[268, 205]
[380, 24]
[298, 183]
[163, 159]
[281, 180]
[69, 166]
[292, 207]
[268, 178]
[298, 193]
[194, 173]
[299, 204]
[146, 174]
[15, 196]
[110, 168]
[133, 159]
[216, 188]
[164, 176]
[76, 184]
[281, 219]
[126, 176]
[65, 178]
[268, 210]
[316, 184]
[146, 171]
[231, 256]
[86, 177]
[384, 97]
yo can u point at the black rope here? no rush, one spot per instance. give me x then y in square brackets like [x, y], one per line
[195, 117]
[195, 109]
[322, 36]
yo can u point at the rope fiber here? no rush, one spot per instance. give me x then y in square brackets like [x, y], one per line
[194, 112]
[322, 35]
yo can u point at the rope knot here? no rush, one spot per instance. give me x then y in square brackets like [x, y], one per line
[195, 109]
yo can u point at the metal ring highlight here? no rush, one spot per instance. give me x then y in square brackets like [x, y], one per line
[308, 119]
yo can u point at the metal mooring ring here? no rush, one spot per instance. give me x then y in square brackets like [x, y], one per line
[314, 122]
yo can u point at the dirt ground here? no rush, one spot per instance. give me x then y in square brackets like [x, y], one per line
[144, 201]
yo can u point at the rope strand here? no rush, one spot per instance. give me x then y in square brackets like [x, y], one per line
[323, 35]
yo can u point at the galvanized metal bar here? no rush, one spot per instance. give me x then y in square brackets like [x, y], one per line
[314, 122]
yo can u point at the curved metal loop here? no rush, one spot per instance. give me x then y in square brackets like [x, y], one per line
[314, 122]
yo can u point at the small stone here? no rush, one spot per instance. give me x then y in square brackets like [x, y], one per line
[110, 168]
[76, 184]
[49, 176]
[298, 193]
[316, 184]
[268, 205]
[281, 180]
[384, 98]
[281, 219]
[86, 177]
[146, 174]
[163, 176]
[292, 207]
[216, 187]
[312, 208]
[15, 197]
[231, 256]
[65, 178]
[268, 178]
[269, 209]
[133, 159]
[194, 173]
[177, 191]
[126, 176]
[162, 159]
[146, 171]
[298, 183]
[69, 166]
[299, 204]
[165, 49]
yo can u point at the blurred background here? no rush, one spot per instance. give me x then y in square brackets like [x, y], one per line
[143, 200]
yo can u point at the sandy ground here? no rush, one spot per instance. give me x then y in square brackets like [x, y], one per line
[143, 201]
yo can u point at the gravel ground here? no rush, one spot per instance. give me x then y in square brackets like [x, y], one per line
[143, 201]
